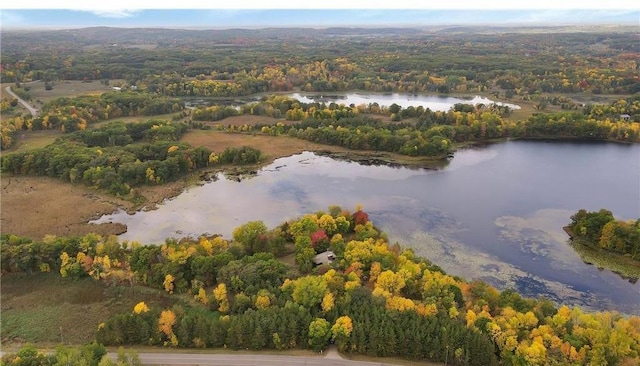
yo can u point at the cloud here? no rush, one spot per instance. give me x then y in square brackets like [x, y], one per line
[112, 13]
[574, 16]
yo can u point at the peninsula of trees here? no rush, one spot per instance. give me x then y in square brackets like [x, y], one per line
[602, 230]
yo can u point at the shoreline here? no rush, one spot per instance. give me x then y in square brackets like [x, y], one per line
[46, 197]
[623, 266]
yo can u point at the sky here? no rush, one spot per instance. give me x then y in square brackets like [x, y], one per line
[286, 13]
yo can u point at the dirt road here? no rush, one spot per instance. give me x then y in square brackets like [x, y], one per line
[30, 108]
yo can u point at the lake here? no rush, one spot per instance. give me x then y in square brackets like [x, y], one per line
[433, 102]
[494, 213]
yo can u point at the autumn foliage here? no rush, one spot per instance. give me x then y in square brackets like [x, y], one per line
[374, 298]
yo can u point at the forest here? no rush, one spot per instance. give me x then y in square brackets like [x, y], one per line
[240, 62]
[375, 298]
[261, 289]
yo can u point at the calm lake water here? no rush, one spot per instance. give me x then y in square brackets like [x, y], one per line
[433, 102]
[494, 213]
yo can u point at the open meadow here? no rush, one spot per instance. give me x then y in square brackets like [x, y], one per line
[49, 310]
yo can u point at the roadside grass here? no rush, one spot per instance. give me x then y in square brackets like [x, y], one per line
[46, 309]
[224, 351]
[389, 360]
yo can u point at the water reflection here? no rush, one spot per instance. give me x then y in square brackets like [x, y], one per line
[433, 102]
[495, 213]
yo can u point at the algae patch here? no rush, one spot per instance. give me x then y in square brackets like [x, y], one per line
[433, 235]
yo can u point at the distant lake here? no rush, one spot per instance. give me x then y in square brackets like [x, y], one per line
[433, 102]
[494, 213]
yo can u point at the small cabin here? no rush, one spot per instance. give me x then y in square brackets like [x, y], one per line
[324, 258]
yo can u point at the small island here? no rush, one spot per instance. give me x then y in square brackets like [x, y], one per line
[607, 242]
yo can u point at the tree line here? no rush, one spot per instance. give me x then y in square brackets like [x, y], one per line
[117, 157]
[428, 133]
[76, 113]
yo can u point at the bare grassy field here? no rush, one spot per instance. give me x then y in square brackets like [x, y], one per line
[247, 120]
[65, 88]
[29, 140]
[271, 146]
[42, 307]
[36, 206]
[135, 119]
[527, 108]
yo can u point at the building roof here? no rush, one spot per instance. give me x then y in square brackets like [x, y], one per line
[324, 257]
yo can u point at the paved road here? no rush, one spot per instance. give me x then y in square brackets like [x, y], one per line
[330, 358]
[244, 360]
[31, 109]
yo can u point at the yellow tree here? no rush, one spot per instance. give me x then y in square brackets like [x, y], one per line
[220, 294]
[262, 302]
[341, 330]
[390, 282]
[140, 308]
[327, 302]
[201, 296]
[375, 271]
[66, 263]
[334, 280]
[533, 353]
[166, 321]
[168, 283]
[165, 325]
[400, 303]
[328, 224]
[309, 291]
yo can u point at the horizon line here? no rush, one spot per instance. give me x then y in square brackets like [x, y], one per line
[326, 26]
